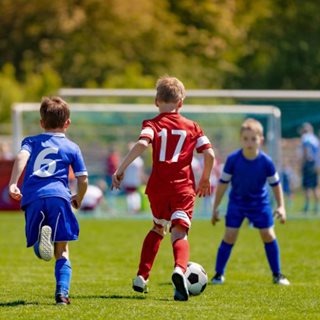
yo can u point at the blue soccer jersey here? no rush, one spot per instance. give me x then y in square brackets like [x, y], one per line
[47, 170]
[249, 178]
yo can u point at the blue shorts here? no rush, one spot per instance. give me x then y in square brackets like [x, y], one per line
[309, 175]
[261, 217]
[55, 212]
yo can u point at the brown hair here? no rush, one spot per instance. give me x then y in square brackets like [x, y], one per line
[170, 89]
[253, 125]
[54, 112]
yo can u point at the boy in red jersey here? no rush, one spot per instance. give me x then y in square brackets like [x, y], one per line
[171, 187]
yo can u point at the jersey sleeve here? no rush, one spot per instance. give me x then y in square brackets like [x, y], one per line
[147, 131]
[273, 178]
[26, 145]
[203, 142]
[78, 165]
[227, 171]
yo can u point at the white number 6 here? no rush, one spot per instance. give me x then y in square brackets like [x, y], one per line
[45, 167]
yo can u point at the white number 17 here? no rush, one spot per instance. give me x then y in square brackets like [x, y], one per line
[163, 134]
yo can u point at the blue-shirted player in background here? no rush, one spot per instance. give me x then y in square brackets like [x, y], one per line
[309, 166]
[249, 170]
[45, 195]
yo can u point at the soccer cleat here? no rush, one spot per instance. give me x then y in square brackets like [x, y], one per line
[140, 285]
[62, 300]
[217, 279]
[45, 247]
[281, 279]
[179, 281]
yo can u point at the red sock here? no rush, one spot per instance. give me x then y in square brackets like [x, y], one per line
[181, 253]
[149, 251]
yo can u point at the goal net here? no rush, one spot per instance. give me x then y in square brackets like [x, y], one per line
[96, 127]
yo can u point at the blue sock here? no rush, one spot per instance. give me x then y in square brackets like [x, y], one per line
[63, 273]
[273, 256]
[223, 256]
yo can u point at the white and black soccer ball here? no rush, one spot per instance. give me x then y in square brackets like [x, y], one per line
[197, 278]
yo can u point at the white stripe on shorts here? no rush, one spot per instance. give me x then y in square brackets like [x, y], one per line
[182, 216]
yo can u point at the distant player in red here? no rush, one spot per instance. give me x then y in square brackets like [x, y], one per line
[171, 186]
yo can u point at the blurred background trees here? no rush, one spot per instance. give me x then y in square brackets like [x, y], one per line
[242, 44]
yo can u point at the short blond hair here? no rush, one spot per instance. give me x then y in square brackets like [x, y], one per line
[253, 125]
[170, 89]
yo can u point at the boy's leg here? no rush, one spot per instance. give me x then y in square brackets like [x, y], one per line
[38, 232]
[224, 253]
[271, 247]
[63, 272]
[149, 251]
[44, 247]
[180, 247]
[273, 255]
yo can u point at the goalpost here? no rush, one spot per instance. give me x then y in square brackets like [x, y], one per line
[96, 126]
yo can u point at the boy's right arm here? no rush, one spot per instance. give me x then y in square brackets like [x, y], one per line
[221, 189]
[139, 147]
[18, 167]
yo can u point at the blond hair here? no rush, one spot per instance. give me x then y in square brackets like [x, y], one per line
[170, 89]
[253, 125]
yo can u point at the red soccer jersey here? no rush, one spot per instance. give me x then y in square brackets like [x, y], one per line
[173, 139]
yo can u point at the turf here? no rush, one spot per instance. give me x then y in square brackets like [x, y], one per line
[105, 261]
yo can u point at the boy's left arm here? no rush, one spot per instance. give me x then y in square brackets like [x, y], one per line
[280, 212]
[82, 185]
[204, 187]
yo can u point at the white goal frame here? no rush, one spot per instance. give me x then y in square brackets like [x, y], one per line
[273, 132]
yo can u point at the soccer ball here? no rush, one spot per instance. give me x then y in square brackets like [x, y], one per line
[197, 278]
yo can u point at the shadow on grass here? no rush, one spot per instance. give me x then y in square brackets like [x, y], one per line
[112, 296]
[17, 303]
[120, 297]
[165, 284]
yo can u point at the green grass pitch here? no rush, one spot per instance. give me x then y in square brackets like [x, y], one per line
[105, 260]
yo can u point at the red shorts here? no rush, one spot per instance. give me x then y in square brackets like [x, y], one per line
[170, 210]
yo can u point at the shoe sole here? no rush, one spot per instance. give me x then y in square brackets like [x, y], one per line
[45, 245]
[181, 293]
[138, 289]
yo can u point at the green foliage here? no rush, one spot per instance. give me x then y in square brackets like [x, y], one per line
[47, 82]
[106, 257]
[209, 44]
[10, 91]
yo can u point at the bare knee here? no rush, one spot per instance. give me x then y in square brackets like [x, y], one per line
[230, 235]
[61, 250]
[267, 235]
[178, 232]
[159, 230]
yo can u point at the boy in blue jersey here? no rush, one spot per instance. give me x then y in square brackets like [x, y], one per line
[45, 195]
[248, 170]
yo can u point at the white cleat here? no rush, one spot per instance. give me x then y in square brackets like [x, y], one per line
[217, 279]
[281, 280]
[46, 249]
[140, 285]
[179, 281]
